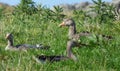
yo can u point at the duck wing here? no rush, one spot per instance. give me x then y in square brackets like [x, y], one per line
[52, 58]
[25, 46]
[37, 46]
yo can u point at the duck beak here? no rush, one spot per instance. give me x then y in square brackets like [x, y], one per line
[6, 37]
[62, 24]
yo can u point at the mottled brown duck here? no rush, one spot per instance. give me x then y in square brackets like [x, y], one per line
[73, 35]
[55, 58]
[23, 47]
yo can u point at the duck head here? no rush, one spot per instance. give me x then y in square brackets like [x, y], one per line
[67, 22]
[9, 36]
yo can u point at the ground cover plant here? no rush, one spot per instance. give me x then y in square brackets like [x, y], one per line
[36, 24]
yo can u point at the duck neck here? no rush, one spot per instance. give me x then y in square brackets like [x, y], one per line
[70, 44]
[71, 55]
[10, 42]
[72, 31]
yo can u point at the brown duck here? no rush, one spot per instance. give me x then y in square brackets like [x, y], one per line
[24, 47]
[73, 35]
[55, 58]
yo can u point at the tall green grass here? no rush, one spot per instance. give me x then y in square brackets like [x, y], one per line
[35, 29]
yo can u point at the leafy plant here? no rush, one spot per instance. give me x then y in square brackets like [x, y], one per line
[27, 7]
[104, 12]
[57, 13]
[81, 16]
[2, 12]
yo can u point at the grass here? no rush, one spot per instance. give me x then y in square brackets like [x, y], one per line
[105, 57]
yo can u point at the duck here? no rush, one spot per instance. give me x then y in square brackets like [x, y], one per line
[21, 47]
[56, 58]
[74, 35]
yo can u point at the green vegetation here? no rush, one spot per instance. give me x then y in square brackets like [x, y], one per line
[37, 24]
